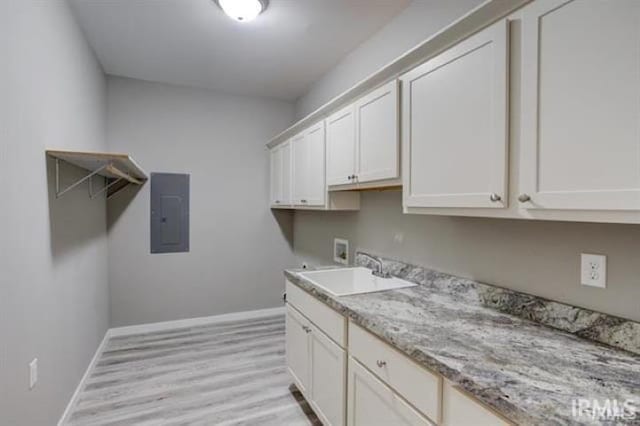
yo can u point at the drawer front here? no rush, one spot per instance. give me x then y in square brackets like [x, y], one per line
[372, 403]
[461, 410]
[326, 319]
[414, 383]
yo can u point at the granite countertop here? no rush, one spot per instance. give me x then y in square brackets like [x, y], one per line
[529, 372]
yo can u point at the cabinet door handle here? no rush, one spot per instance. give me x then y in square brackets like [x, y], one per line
[495, 197]
[306, 329]
[380, 363]
[523, 198]
[349, 177]
[303, 201]
[277, 201]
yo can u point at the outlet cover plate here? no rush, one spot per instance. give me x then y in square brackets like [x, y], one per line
[341, 251]
[593, 270]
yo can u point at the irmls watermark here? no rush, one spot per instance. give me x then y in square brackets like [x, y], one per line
[605, 409]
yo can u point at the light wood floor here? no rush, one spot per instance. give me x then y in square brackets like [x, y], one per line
[221, 374]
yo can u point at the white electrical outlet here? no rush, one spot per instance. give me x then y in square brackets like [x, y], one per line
[593, 270]
[33, 373]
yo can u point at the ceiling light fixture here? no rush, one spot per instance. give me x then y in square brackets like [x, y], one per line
[243, 10]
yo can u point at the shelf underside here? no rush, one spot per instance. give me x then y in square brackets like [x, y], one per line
[109, 165]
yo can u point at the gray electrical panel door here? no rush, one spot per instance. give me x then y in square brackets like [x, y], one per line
[169, 213]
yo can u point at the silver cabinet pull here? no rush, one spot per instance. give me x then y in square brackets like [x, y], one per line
[349, 177]
[523, 198]
[277, 201]
[495, 197]
[303, 201]
[380, 363]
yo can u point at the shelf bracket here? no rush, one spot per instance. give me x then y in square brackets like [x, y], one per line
[119, 190]
[103, 189]
[60, 193]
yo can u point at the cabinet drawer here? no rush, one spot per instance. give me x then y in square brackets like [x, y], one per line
[417, 385]
[326, 319]
[372, 403]
[461, 410]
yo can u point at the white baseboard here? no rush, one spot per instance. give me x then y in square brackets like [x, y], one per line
[193, 322]
[67, 411]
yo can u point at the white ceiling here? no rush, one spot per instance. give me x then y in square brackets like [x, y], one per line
[191, 42]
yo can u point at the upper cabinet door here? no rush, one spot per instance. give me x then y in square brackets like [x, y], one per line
[315, 187]
[377, 134]
[285, 159]
[581, 105]
[454, 125]
[276, 176]
[300, 167]
[341, 147]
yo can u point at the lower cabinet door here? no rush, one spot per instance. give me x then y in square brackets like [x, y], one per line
[297, 347]
[328, 379]
[372, 403]
[460, 410]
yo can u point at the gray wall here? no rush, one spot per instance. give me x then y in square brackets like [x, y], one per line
[536, 257]
[417, 22]
[238, 247]
[53, 289]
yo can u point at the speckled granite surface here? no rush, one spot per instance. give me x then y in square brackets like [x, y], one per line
[468, 332]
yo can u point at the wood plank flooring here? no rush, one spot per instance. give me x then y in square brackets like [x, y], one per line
[231, 373]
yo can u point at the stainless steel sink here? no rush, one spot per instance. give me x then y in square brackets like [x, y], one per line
[345, 281]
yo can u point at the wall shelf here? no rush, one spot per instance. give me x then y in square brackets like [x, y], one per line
[118, 170]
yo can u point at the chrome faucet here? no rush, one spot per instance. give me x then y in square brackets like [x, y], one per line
[379, 272]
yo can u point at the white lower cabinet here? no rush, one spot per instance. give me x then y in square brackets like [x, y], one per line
[420, 387]
[297, 348]
[317, 366]
[461, 410]
[327, 368]
[350, 376]
[371, 403]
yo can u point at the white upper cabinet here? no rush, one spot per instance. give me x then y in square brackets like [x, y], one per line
[377, 134]
[299, 167]
[341, 147]
[298, 174]
[363, 139]
[281, 175]
[580, 130]
[315, 190]
[276, 175]
[285, 152]
[308, 181]
[454, 125]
